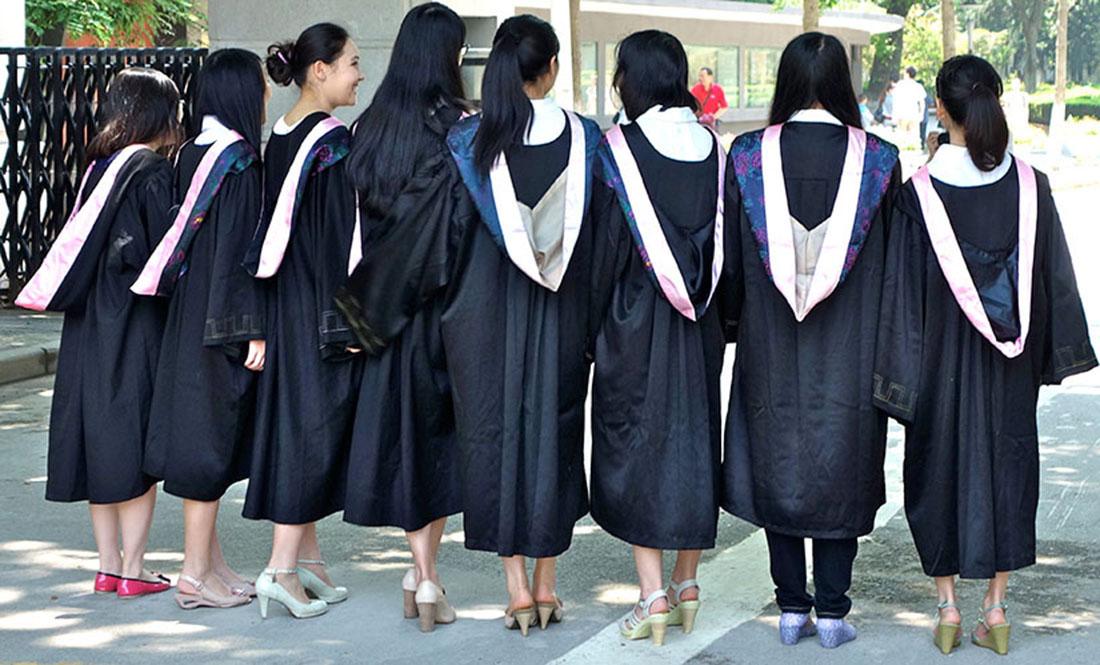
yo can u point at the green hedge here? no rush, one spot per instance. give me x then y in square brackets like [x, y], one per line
[1040, 113]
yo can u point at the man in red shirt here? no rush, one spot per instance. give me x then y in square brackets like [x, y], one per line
[711, 98]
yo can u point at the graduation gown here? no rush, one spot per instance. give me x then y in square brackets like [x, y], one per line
[656, 411]
[201, 425]
[110, 337]
[305, 401]
[804, 446]
[971, 448]
[403, 467]
[515, 346]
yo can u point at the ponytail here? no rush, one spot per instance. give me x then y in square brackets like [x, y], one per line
[288, 62]
[970, 90]
[522, 50]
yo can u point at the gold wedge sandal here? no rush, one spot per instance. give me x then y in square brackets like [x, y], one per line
[204, 597]
[519, 618]
[635, 626]
[682, 612]
[996, 637]
[947, 636]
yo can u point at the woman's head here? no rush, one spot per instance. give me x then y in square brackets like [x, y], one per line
[323, 58]
[651, 69]
[424, 75]
[141, 106]
[813, 72]
[232, 88]
[968, 92]
[522, 64]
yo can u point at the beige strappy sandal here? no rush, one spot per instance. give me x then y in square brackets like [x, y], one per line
[206, 598]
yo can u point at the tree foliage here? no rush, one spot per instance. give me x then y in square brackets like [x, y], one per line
[132, 21]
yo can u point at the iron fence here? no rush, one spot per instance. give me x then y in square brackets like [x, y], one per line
[49, 113]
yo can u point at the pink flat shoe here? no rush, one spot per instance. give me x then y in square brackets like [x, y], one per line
[106, 582]
[129, 587]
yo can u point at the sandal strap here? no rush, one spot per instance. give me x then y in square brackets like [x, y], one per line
[198, 584]
[679, 588]
[312, 562]
[650, 599]
[947, 605]
[996, 606]
[281, 571]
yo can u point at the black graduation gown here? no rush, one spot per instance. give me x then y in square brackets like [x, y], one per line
[804, 446]
[971, 449]
[200, 427]
[403, 467]
[656, 394]
[109, 344]
[305, 403]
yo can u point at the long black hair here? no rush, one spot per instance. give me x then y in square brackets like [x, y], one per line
[141, 105]
[651, 69]
[970, 91]
[814, 68]
[424, 77]
[231, 88]
[289, 62]
[523, 49]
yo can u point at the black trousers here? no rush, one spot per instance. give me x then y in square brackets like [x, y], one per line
[832, 574]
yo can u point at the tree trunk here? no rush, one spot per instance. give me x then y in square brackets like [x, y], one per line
[1029, 17]
[950, 27]
[888, 50]
[575, 32]
[811, 15]
[1058, 110]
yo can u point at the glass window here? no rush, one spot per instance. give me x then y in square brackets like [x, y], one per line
[611, 103]
[589, 80]
[760, 76]
[723, 61]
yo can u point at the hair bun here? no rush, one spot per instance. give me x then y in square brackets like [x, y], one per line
[279, 57]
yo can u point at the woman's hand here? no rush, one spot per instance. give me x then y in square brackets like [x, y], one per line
[932, 144]
[257, 353]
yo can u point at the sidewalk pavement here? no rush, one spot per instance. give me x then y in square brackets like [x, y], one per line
[28, 344]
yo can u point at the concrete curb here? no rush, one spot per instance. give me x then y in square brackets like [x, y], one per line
[27, 363]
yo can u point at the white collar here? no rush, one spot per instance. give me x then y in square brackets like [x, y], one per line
[815, 115]
[282, 128]
[952, 165]
[211, 129]
[547, 122]
[675, 133]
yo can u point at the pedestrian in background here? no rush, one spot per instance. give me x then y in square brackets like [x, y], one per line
[711, 98]
[110, 337]
[980, 308]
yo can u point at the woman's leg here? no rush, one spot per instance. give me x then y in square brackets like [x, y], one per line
[199, 523]
[546, 580]
[134, 518]
[106, 531]
[650, 572]
[310, 549]
[438, 527]
[995, 594]
[687, 567]
[423, 552]
[945, 593]
[286, 542]
[218, 563]
[515, 576]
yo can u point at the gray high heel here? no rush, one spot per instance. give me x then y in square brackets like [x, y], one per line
[315, 585]
[267, 589]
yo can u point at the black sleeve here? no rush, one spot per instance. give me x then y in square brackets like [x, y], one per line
[731, 285]
[1069, 350]
[333, 201]
[899, 350]
[235, 304]
[411, 259]
[610, 254]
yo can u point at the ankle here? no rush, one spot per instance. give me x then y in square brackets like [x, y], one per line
[133, 568]
[109, 565]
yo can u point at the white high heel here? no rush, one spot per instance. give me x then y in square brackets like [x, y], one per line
[314, 584]
[408, 586]
[267, 589]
